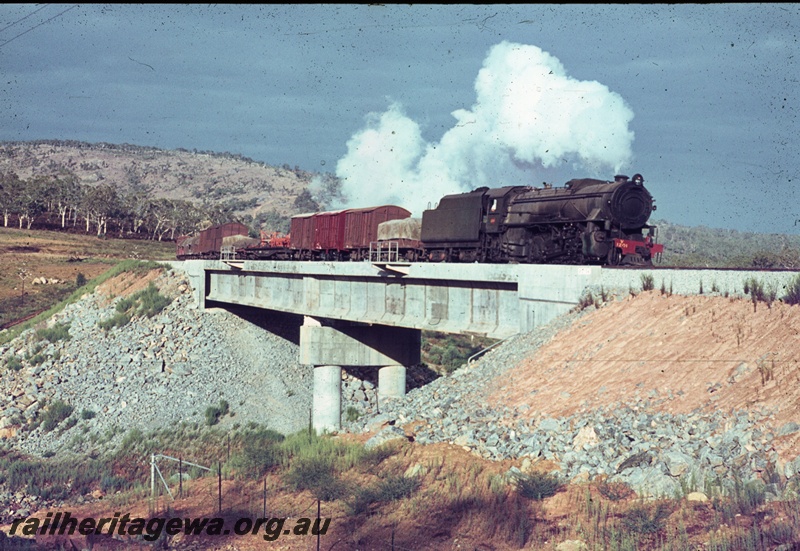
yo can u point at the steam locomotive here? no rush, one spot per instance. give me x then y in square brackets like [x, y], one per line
[587, 221]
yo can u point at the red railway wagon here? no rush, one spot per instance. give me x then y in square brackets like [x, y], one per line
[211, 238]
[361, 225]
[302, 231]
[330, 228]
[340, 234]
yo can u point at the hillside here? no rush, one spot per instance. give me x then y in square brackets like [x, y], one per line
[199, 176]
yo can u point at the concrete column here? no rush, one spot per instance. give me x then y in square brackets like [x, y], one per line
[391, 382]
[327, 411]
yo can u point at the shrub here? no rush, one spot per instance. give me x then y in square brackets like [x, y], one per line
[645, 519]
[54, 414]
[59, 332]
[538, 485]
[793, 292]
[259, 453]
[87, 414]
[151, 301]
[80, 280]
[387, 490]
[317, 475]
[648, 283]
[615, 491]
[119, 319]
[214, 413]
[147, 302]
[14, 363]
[352, 414]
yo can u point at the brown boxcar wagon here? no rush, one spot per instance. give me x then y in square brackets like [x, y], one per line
[361, 227]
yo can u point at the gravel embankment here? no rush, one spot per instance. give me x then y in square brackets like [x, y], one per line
[152, 373]
[657, 453]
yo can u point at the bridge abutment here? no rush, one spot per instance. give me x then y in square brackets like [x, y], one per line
[331, 345]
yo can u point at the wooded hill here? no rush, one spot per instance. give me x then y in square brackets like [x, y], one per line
[144, 191]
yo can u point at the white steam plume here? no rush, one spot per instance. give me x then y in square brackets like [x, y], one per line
[528, 112]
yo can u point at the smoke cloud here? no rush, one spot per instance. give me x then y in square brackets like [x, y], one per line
[528, 115]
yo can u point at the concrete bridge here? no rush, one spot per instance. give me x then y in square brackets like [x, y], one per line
[372, 314]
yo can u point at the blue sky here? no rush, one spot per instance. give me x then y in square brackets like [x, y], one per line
[410, 101]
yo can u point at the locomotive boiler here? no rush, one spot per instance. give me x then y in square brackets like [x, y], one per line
[587, 221]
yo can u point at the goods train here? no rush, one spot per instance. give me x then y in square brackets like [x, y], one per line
[587, 221]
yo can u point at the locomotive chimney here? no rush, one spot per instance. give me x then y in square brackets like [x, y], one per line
[620, 178]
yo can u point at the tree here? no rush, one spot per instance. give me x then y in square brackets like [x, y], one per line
[31, 200]
[66, 194]
[305, 202]
[101, 203]
[10, 189]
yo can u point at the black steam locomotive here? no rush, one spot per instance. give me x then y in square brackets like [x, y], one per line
[585, 222]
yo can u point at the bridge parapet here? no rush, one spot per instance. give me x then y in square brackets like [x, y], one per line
[493, 300]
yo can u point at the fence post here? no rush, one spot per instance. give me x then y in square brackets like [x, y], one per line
[219, 478]
[152, 482]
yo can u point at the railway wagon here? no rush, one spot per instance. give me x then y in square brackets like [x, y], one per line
[302, 231]
[361, 227]
[339, 235]
[211, 240]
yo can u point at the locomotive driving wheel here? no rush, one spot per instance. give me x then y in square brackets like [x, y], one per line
[614, 256]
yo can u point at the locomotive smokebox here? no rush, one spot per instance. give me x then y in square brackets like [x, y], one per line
[631, 205]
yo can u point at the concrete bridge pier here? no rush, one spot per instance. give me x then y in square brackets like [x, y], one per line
[327, 399]
[333, 344]
[391, 382]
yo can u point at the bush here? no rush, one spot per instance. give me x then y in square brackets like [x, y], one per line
[316, 474]
[793, 292]
[147, 302]
[259, 453]
[14, 363]
[646, 520]
[352, 414]
[119, 319]
[648, 283]
[538, 486]
[80, 280]
[214, 413]
[87, 414]
[387, 490]
[59, 332]
[54, 414]
[615, 491]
